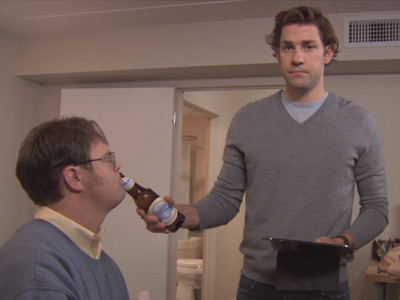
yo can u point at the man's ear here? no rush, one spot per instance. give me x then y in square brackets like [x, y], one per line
[329, 52]
[73, 178]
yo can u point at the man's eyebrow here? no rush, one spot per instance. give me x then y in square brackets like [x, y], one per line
[309, 42]
[305, 42]
[284, 42]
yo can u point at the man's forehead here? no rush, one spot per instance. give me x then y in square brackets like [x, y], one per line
[300, 33]
[100, 147]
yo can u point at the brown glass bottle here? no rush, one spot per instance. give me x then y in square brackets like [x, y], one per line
[153, 204]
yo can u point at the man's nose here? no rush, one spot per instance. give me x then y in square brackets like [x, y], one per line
[298, 57]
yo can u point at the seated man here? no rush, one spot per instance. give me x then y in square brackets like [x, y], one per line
[68, 170]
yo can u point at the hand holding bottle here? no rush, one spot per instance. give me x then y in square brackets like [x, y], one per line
[153, 208]
[153, 224]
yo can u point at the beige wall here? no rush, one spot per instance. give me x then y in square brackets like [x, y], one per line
[148, 48]
[19, 111]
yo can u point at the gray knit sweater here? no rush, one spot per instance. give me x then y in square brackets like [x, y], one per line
[299, 179]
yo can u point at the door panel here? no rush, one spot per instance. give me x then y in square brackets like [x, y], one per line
[138, 125]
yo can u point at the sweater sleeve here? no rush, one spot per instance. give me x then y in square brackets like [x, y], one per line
[43, 294]
[371, 185]
[223, 202]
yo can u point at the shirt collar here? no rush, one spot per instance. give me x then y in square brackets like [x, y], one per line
[317, 103]
[91, 243]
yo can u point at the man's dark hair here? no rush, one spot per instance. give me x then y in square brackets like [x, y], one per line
[304, 15]
[48, 149]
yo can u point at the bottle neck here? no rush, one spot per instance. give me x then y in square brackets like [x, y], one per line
[135, 190]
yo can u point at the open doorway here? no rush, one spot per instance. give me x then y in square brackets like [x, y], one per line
[222, 259]
[193, 186]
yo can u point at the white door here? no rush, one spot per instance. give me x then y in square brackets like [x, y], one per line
[138, 125]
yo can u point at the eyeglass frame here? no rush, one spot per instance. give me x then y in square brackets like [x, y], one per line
[111, 156]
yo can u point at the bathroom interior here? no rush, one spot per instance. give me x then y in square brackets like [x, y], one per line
[194, 175]
[206, 116]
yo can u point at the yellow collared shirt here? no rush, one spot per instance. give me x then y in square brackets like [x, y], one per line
[91, 243]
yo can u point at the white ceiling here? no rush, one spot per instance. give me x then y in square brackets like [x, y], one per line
[35, 18]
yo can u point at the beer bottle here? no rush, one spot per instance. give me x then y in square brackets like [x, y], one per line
[153, 204]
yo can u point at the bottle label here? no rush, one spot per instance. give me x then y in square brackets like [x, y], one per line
[127, 183]
[165, 212]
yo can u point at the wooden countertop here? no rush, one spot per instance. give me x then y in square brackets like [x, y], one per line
[372, 274]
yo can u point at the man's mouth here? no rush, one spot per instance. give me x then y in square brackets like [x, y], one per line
[298, 72]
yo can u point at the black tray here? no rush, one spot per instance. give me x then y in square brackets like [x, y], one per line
[312, 248]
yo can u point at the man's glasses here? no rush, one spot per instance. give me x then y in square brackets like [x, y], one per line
[110, 158]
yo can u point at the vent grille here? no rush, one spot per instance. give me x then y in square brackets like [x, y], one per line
[372, 31]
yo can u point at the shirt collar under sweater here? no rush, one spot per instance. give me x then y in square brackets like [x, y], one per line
[301, 111]
[91, 243]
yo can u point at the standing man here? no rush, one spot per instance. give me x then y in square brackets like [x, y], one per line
[298, 156]
[68, 170]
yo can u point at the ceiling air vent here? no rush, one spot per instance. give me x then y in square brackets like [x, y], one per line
[372, 31]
